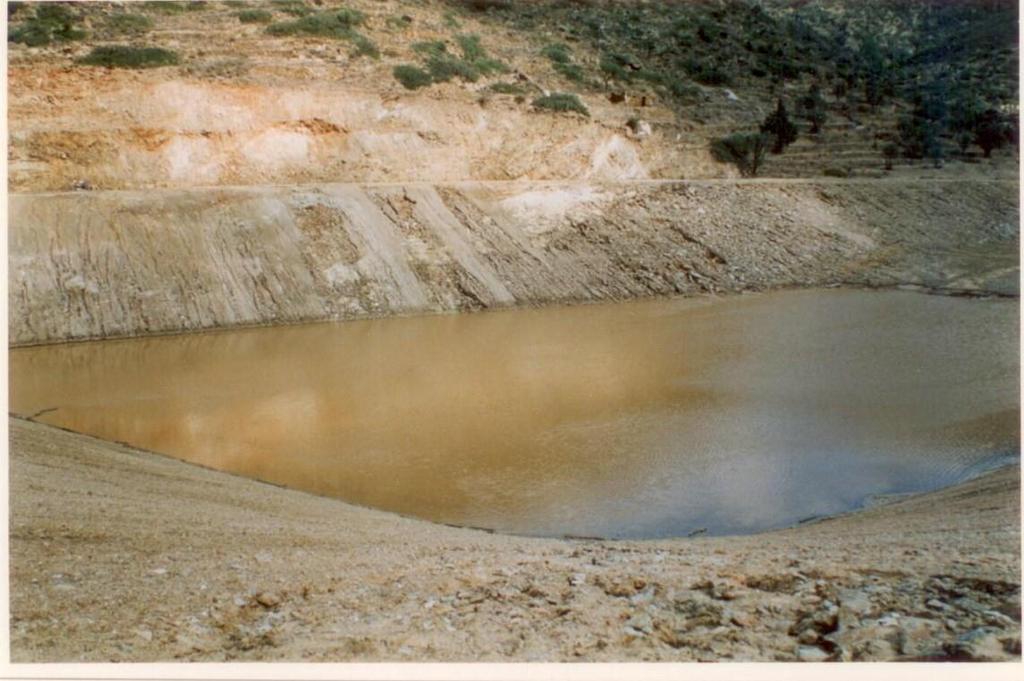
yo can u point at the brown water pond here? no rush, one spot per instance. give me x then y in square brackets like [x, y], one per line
[639, 419]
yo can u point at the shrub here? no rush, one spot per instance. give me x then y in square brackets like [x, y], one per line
[618, 66]
[364, 47]
[745, 150]
[507, 89]
[450, 20]
[128, 57]
[990, 132]
[399, 21]
[778, 125]
[813, 109]
[339, 25]
[443, 69]
[835, 171]
[573, 72]
[474, 54]
[558, 53]
[220, 68]
[128, 24]
[486, 5]
[164, 7]
[52, 22]
[561, 101]
[890, 151]
[255, 16]
[430, 48]
[411, 77]
[561, 58]
[708, 73]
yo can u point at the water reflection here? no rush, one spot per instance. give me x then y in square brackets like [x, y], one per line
[639, 419]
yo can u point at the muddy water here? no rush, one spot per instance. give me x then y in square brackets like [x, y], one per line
[639, 419]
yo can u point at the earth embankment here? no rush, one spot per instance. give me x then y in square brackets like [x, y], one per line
[127, 263]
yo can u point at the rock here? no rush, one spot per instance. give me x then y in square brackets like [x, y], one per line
[741, 619]
[640, 622]
[981, 645]
[998, 618]
[267, 600]
[81, 185]
[854, 601]
[811, 654]
[577, 578]
[916, 637]
[808, 636]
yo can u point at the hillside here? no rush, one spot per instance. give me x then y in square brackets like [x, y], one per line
[272, 92]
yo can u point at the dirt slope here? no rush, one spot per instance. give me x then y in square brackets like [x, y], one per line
[117, 554]
[105, 264]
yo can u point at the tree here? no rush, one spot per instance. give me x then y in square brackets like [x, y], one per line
[812, 108]
[890, 151]
[743, 149]
[989, 131]
[780, 127]
[872, 69]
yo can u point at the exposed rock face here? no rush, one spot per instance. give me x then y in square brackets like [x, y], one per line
[108, 264]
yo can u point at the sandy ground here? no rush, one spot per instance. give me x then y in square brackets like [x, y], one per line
[119, 554]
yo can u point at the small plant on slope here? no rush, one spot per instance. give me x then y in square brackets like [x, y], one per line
[561, 101]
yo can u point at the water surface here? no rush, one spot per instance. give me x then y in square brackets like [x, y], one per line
[638, 419]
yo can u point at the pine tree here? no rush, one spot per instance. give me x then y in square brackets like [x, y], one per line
[812, 108]
[780, 127]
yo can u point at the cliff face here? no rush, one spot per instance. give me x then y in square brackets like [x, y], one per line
[108, 264]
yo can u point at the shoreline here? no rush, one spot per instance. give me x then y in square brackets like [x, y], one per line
[923, 289]
[251, 571]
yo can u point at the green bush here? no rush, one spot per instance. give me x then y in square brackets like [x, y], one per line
[813, 109]
[708, 73]
[617, 66]
[443, 66]
[255, 16]
[561, 59]
[835, 171]
[561, 101]
[443, 69]
[507, 89]
[890, 151]
[412, 77]
[52, 22]
[339, 25]
[559, 53]
[165, 6]
[399, 21]
[745, 150]
[474, 54]
[430, 48]
[573, 72]
[129, 57]
[364, 47]
[127, 24]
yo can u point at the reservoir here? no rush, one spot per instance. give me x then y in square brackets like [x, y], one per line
[642, 419]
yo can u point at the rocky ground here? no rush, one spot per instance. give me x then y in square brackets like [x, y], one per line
[119, 554]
